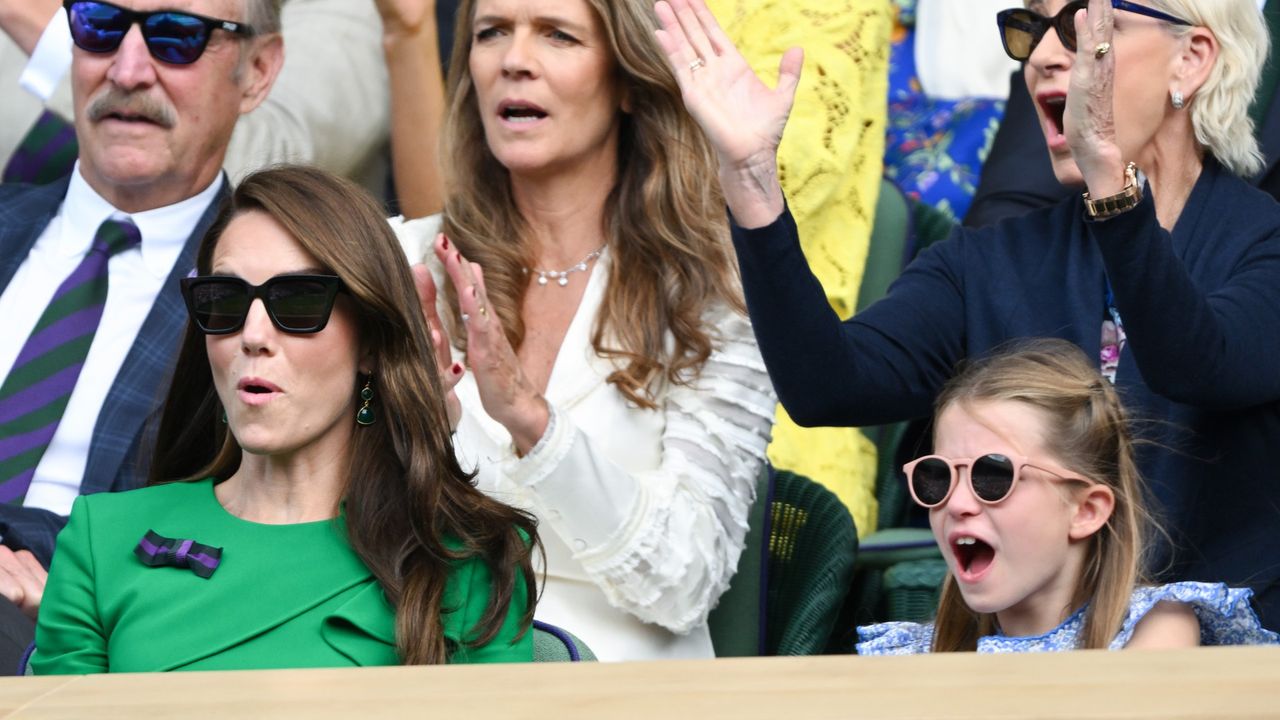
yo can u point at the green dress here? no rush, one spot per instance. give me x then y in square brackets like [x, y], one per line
[282, 596]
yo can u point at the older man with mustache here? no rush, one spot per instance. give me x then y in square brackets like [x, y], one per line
[326, 108]
[89, 266]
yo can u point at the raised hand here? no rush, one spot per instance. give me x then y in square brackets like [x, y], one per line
[505, 391]
[450, 371]
[1089, 120]
[406, 17]
[24, 21]
[742, 117]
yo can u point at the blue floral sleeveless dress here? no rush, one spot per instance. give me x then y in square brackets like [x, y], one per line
[1225, 619]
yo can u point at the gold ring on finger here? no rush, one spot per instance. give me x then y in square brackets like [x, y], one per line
[1102, 49]
[697, 63]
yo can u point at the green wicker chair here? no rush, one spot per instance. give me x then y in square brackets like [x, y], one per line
[555, 644]
[737, 622]
[812, 549]
[794, 572]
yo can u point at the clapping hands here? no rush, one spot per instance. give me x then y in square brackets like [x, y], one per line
[450, 371]
[505, 391]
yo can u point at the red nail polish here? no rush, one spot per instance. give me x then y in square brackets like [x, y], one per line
[444, 242]
[457, 369]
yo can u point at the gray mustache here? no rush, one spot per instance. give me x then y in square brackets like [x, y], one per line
[120, 102]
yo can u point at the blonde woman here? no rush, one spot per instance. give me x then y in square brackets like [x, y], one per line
[1170, 277]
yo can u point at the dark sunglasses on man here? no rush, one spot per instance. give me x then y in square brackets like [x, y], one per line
[172, 36]
[298, 304]
[1021, 29]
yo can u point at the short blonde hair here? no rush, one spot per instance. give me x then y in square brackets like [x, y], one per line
[1220, 109]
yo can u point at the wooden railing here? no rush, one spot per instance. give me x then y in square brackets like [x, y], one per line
[1231, 683]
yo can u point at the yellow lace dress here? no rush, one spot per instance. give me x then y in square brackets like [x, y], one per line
[830, 162]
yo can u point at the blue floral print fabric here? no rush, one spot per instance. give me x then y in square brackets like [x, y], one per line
[1225, 615]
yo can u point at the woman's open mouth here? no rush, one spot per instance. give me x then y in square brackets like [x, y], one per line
[256, 391]
[520, 113]
[1053, 108]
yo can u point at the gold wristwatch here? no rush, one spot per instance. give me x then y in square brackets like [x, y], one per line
[1122, 201]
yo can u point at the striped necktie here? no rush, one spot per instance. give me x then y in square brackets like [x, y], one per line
[46, 153]
[36, 392]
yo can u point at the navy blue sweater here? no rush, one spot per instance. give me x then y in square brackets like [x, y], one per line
[1201, 310]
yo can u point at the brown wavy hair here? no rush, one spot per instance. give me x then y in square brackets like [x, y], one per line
[406, 493]
[666, 225]
[1089, 432]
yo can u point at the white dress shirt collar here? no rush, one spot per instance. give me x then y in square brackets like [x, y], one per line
[164, 230]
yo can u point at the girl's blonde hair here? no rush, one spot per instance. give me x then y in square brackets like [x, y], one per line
[1088, 431]
[666, 226]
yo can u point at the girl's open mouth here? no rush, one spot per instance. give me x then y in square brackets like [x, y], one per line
[973, 557]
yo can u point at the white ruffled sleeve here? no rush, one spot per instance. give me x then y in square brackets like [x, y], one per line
[663, 544]
[416, 237]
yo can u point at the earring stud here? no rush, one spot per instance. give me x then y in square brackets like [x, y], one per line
[1179, 102]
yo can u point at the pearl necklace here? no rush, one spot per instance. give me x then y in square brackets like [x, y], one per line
[562, 276]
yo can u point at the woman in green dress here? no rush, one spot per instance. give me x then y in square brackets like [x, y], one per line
[305, 508]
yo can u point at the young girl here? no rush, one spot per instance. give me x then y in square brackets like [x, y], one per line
[1035, 500]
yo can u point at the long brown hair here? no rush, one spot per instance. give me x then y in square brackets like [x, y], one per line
[405, 491]
[666, 225]
[1089, 432]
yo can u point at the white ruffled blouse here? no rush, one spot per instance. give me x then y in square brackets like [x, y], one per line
[643, 513]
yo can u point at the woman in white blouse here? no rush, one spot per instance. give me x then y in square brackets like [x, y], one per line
[615, 388]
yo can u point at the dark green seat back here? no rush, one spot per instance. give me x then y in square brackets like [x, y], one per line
[737, 621]
[794, 573]
[812, 548]
[888, 247]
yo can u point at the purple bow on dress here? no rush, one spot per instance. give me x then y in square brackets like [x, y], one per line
[156, 550]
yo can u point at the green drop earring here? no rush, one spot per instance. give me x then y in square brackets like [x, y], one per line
[364, 416]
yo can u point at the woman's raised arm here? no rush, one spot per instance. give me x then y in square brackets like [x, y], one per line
[410, 44]
[742, 117]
